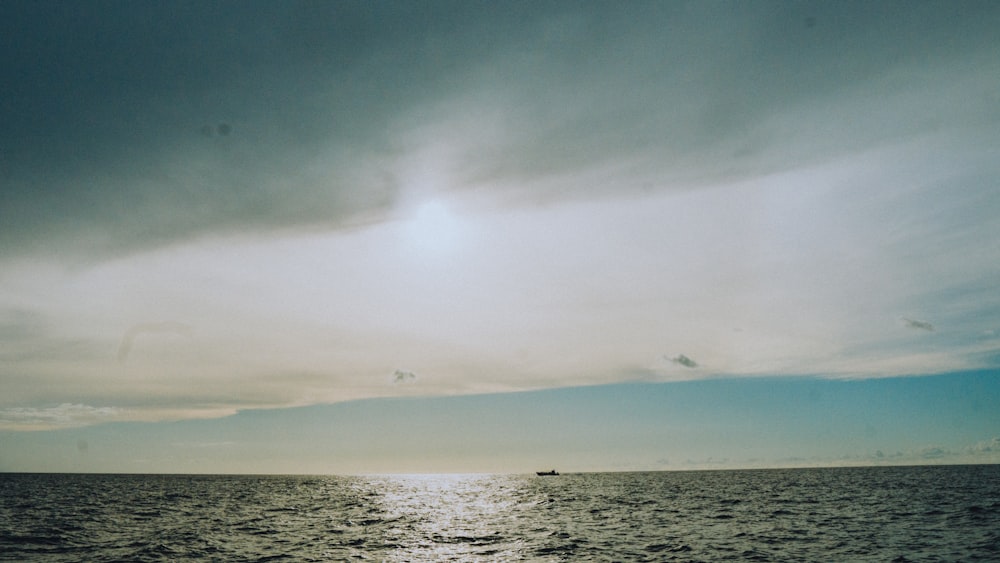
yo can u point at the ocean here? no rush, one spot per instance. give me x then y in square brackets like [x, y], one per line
[931, 513]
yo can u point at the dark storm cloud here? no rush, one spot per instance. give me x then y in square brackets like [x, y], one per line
[126, 125]
[105, 108]
[706, 91]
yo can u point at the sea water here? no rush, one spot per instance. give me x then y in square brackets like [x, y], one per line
[831, 514]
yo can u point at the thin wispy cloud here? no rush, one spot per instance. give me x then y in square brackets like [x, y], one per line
[991, 446]
[66, 415]
[204, 445]
[918, 324]
[164, 327]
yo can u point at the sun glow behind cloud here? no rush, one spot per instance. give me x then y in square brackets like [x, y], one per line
[524, 203]
[756, 277]
[432, 230]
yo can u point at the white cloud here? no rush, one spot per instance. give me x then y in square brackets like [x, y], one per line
[66, 415]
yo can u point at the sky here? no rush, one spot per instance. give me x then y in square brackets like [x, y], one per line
[472, 236]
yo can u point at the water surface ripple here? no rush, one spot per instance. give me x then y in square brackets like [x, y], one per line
[846, 514]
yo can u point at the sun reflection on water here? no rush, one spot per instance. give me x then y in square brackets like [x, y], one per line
[449, 517]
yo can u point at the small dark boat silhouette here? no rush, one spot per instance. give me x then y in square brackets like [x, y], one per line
[552, 472]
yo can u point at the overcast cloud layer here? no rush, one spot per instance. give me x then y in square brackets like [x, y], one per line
[210, 207]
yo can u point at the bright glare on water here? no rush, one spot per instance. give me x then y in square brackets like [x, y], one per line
[856, 514]
[448, 517]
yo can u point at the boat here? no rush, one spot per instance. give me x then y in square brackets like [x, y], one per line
[541, 473]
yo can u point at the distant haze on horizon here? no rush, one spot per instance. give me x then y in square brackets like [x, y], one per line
[222, 213]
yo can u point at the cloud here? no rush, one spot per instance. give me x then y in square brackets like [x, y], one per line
[403, 376]
[683, 360]
[933, 452]
[164, 327]
[66, 415]
[603, 178]
[310, 123]
[204, 445]
[20, 325]
[28, 336]
[986, 447]
[917, 324]
[987, 451]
